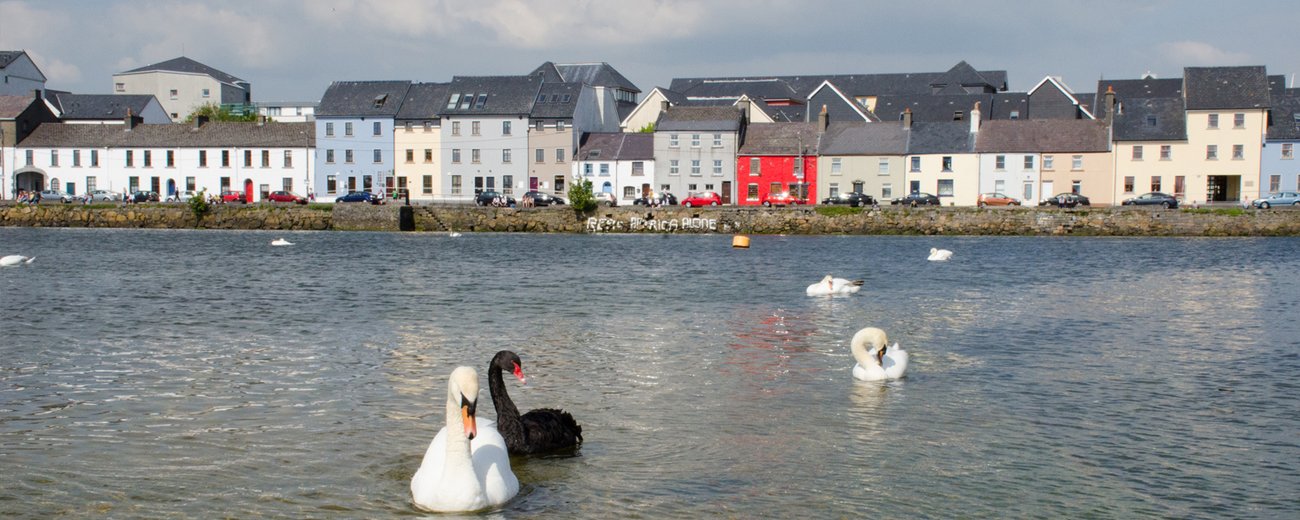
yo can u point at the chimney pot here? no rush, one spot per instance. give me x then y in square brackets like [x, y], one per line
[823, 119]
[907, 118]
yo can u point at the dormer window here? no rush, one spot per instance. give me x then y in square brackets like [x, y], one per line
[566, 99]
[958, 115]
[466, 100]
[1015, 114]
[1295, 118]
[1151, 121]
[541, 98]
[380, 99]
[482, 100]
[455, 98]
[555, 98]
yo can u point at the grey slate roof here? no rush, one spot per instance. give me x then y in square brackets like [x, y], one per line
[1281, 115]
[1042, 135]
[183, 64]
[560, 100]
[362, 99]
[209, 135]
[961, 79]
[780, 139]
[1141, 88]
[1210, 88]
[764, 88]
[423, 101]
[7, 57]
[691, 118]
[98, 106]
[594, 74]
[953, 137]
[929, 108]
[13, 106]
[617, 146]
[505, 95]
[782, 113]
[1133, 120]
[856, 84]
[861, 138]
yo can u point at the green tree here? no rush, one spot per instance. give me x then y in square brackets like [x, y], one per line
[199, 206]
[581, 198]
[215, 112]
[649, 128]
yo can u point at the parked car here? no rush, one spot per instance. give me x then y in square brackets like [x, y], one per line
[543, 199]
[285, 196]
[784, 198]
[1066, 200]
[360, 196]
[662, 198]
[55, 196]
[605, 198]
[181, 196]
[233, 196]
[852, 198]
[490, 197]
[103, 195]
[997, 199]
[144, 196]
[1154, 198]
[917, 199]
[703, 198]
[1284, 198]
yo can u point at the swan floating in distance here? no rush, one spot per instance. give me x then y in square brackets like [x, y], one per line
[877, 361]
[939, 255]
[466, 467]
[831, 285]
[540, 430]
[12, 260]
[281, 242]
[454, 234]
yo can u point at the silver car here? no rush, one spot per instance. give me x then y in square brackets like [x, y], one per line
[103, 195]
[55, 196]
[1281, 198]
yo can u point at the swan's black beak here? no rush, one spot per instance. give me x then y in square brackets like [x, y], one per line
[519, 373]
[467, 417]
[880, 355]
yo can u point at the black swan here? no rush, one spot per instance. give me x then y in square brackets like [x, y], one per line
[540, 430]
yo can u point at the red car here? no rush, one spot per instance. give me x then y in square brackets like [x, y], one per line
[233, 196]
[996, 199]
[703, 198]
[783, 199]
[285, 196]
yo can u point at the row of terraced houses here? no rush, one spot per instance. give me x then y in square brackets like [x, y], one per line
[1216, 134]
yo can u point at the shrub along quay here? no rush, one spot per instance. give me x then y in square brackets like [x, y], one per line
[1223, 221]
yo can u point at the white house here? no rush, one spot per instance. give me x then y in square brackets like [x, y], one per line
[621, 163]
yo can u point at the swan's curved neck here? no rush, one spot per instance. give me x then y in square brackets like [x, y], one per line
[457, 442]
[508, 422]
[860, 354]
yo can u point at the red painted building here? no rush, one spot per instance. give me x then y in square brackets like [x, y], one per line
[777, 158]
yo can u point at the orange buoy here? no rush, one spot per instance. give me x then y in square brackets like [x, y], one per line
[740, 241]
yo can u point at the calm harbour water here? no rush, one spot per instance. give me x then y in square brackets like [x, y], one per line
[201, 374]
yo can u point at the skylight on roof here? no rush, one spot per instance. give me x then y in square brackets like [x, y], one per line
[466, 100]
[380, 99]
[566, 98]
[482, 100]
[455, 98]
[541, 98]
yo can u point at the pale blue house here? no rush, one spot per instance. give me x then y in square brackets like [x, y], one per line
[1279, 167]
[354, 137]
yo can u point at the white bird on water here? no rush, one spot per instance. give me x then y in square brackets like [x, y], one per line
[939, 255]
[832, 286]
[879, 362]
[281, 242]
[13, 260]
[454, 234]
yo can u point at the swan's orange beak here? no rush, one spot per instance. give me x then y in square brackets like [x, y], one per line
[880, 355]
[519, 373]
[467, 417]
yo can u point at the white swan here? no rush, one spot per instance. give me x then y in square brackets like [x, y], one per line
[12, 260]
[880, 361]
[281, 242]
[939, 255]
[831, 285]
[454, 234]
[466, 467]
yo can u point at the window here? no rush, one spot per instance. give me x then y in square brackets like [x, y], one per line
[505, 155]
[1211, 152]
[481, 101]
[455, 155]
[999, 186]
[173, 93]
[1274, 183]
[629, 192]
[882, 167]
[944, 188]
[1151, 121]
[540, 156]
[428, 155]
[507, 184]
[455, 128]
[455, 185]
[1238, 152]
[836, 166]
[94, 158]
[1180, 185]
[604, 169]
[833, 189]
[203, 158]
[410, 155]
[1028, 191]
[751, 191]
[474, 155]
[1000, 163]
[171, 158]
[695, 166]
[288, 159]
[916, 164]
[672, 167]
[1295, 120]
[427, 185]
[774, 188]
[428, 126]
[1049, 162]
[225, 158]
[451, 103]
[539, 125]
[717, 166]
[76, 158]
[586, 169]
[347, 156]
[717, 140]
[559, 155]
[1239, 120]
[559, 184]
[474, 128]
[505, 128]
[130, 158]
[559, 126]
[408, 127]
[1076, 187]
[947, 163]
[377, 129]
[755, 166]
[1166, 152]
[189, 183]
[958, 115]
[1137, 153]
[133, 183]
[286, 183]
[638, 168]
[1076, 162]
[54, 158]
[1212, 121]
[1288, 150]
[1129, 181]
[347, 129]
[695, 140]
[329, 156]
[329, 129]
[1155, 183]
[266, 158]
[1015, 114]
[886, 190]
[148, 158]
[1029, 162]
[672, 141]
[119, 87]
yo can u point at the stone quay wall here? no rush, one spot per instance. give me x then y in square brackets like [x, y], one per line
[1224, 221]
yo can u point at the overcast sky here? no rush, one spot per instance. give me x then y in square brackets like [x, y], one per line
[290, 50]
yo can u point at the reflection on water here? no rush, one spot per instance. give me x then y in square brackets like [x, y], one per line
[153, 374]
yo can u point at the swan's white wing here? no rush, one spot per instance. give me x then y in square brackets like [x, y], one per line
[492, 464]
[895, 362]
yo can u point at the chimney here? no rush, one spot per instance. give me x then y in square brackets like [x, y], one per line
[38, 94]
[200, 121]
[663, 106]
[907, 118]
[975, 118]
[1109, 105]
[743, 105]
[130, 120]
[261, 120]
[823, 119]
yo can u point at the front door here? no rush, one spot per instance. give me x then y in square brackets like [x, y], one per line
[1222, 188]
[248, 190]
[1048, 191]
[914, 187]
[478, 185]
[726, 192]
[171, 187]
